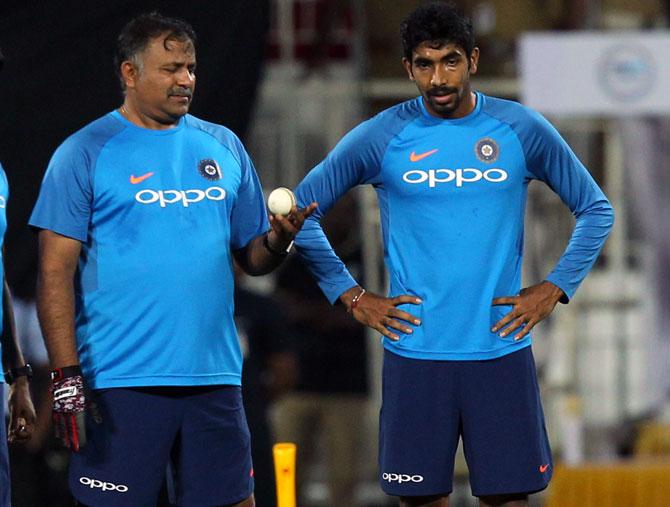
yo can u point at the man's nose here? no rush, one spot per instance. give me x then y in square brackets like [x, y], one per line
[185, 78]
[439, 77]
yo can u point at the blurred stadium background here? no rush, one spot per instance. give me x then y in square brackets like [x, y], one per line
[291, 77]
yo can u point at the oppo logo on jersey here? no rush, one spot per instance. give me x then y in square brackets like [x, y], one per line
[185, 197]
[458, 176]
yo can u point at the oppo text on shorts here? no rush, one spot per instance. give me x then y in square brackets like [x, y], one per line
[400, 478]
[105, 486]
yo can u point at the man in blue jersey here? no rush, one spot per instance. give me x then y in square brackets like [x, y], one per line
[141, 215]
[451, 170]
[16, 372]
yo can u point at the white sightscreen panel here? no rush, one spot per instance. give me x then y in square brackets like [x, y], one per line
[596, 73]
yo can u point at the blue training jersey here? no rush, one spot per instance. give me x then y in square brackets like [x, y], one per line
[158, 213]
[4, 197]
[452, 197]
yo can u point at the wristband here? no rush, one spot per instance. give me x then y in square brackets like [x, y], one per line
[65, 372]
[356, 300]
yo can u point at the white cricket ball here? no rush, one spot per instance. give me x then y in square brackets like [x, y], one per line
[280, 201]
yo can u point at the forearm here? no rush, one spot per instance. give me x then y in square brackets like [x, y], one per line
[259, 258]
[11, 352]
[588, 237]
[55, 308]
[317, 254]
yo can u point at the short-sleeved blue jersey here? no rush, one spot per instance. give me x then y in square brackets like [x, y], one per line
[452, 196]
[158, 213]
[4, 197]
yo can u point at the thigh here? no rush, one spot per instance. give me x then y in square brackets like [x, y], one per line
[419, 426]
[124, 460]
[215, 453]
[504, 435]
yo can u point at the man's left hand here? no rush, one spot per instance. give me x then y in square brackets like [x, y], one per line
[21, 412]
[531, 306]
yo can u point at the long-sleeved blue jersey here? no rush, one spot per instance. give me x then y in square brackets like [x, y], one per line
[452, 196]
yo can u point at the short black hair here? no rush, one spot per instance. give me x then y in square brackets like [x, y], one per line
[139, 31]
[436, 21]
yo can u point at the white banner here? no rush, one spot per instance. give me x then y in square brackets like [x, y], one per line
[596, 73]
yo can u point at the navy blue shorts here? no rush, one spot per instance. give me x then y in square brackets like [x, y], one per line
[202, 430]
[493, 405]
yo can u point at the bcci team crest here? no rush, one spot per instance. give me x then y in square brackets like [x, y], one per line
[210, 170]
[487, 150]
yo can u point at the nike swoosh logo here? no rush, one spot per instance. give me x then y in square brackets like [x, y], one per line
[415, 158]
[543, 468]
[139, 179]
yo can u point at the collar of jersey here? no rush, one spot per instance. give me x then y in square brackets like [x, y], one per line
[150, 132]
[434, 120]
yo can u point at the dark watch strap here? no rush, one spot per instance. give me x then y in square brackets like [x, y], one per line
[23, 371]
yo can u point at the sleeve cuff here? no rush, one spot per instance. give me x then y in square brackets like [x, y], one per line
[567, 294]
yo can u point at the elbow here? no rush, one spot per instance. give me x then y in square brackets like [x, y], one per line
[54, 271]
[600, 214]
[52, 276]
[251, 261]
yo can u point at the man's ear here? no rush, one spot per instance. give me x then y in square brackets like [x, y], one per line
[408, 67]
[474, 60]
[129, 73]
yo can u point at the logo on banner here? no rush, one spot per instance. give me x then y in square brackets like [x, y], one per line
[627, 72]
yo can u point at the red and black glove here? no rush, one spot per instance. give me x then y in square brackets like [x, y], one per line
[67, 386]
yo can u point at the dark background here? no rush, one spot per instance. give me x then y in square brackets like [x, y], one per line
[59, 76]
